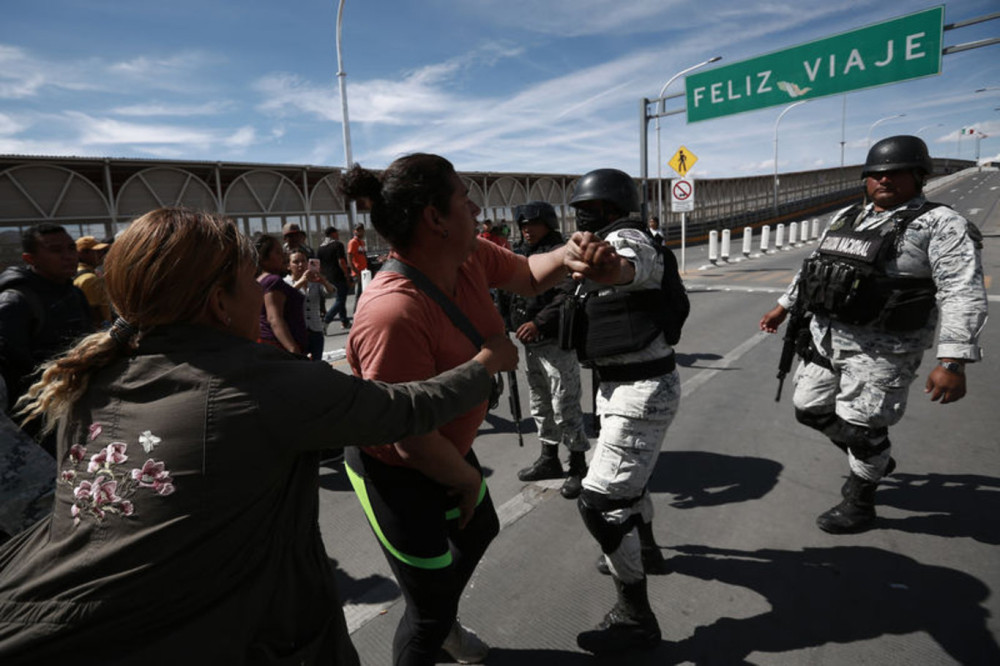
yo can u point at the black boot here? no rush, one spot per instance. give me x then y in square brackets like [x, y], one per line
[856, 513]
[630, 624]
[546, 467]
[889, 469]
[577, 470]
[653, 562]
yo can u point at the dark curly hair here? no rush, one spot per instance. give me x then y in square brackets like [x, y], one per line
[399, 195]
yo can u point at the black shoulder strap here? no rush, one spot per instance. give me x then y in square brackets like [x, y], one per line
[904, 217]
[424, 284]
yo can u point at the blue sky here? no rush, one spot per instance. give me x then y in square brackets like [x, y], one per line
[550, 86]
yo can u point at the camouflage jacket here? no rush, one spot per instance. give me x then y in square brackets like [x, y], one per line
[941, 245]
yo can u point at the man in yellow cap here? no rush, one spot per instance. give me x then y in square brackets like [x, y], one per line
[91, 252]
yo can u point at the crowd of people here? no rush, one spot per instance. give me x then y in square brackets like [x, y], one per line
[183, 420]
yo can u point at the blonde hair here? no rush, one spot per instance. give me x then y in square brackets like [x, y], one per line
[161, 270]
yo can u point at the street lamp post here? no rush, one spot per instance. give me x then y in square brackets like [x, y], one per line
[879, 122]
[345, 119]
[928, 126]
[660, 111]
[780, 116]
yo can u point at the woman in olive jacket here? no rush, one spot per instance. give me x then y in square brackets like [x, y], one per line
[185, 527]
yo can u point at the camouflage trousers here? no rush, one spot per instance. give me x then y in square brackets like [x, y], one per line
[862, 389]
[635, 417]
[27, 479]
[554, 390]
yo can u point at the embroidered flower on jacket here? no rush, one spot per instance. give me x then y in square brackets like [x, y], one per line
[78, 452]
[113, 454]
[148, 441]
[154, 475]
[111, 489]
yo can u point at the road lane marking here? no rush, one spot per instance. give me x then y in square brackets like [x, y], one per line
[694, 383]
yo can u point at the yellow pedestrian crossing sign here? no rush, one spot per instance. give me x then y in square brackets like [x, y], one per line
[682, 161]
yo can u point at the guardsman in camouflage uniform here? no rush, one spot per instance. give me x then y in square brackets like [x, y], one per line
[638, 396]
[553, 373]
[881, 277]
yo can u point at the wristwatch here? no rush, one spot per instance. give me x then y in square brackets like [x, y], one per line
[953, 366]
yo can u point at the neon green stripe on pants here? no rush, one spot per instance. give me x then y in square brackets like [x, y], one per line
[439, 562]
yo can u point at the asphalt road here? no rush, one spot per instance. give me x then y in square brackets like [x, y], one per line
[737, 489]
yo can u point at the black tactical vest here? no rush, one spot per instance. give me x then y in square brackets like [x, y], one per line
[846, 279]
[611, 322]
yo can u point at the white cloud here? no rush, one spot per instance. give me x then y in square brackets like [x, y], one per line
[19, 75]
[241, 138]
[167, 109]
[107, 131]
[10, 125]
[159, 72]
[419, 96]
[576, 18]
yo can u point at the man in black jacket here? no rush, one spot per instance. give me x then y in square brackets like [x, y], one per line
[553, 373]
[41, 312]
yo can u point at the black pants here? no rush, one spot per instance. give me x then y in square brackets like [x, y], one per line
[431, 558]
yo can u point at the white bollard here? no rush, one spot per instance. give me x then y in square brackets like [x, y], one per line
[726, 234]
[366, 277]
[713, 246]
[765, 240]
[747, 241]
[815, 225]
[793, 233]
[779, 237]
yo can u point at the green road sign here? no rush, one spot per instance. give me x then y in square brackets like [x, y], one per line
[904, 48]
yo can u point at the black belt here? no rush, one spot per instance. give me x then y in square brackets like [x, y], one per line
[812, 355]
[631, 372]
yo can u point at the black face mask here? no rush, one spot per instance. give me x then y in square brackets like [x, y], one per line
[590, 220]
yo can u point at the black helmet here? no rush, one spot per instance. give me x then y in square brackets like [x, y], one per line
[537, 210]
[897, 153]
[609, 185]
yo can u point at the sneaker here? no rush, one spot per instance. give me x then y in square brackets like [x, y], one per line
[464, 646]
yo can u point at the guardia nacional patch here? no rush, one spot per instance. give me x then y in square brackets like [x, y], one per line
[633, 235]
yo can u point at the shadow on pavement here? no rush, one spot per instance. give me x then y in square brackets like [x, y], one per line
[956, 505]
[698, 479]
[499, 424]
[835, 595]
[542, 657]
[333, 477]
[689, 360]
[372, 589]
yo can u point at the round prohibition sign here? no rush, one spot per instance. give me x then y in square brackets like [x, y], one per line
[682, 190]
